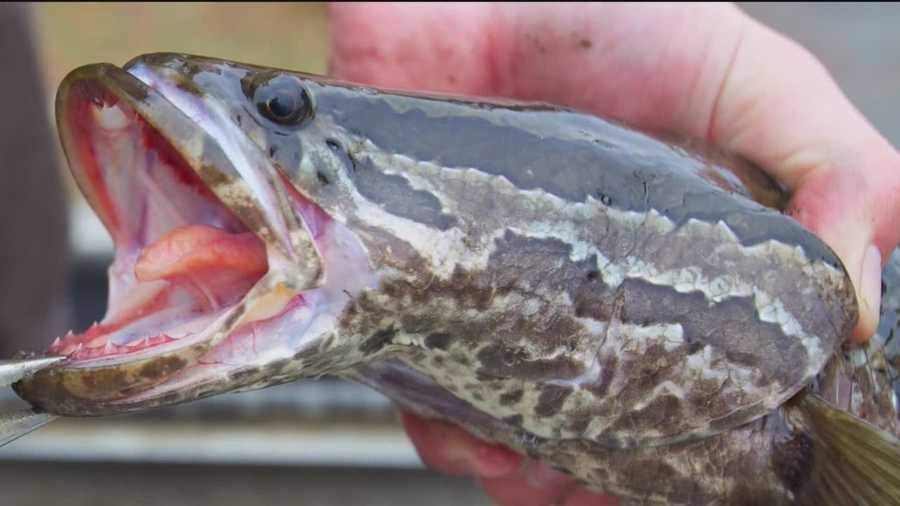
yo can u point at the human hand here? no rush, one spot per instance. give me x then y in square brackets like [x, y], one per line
[705, 71]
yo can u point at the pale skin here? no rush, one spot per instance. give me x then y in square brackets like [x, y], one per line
[706, 70]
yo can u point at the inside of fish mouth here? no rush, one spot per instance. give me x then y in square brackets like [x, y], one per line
[182, 258]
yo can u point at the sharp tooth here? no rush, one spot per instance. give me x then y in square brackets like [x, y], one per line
[69, 334]
[56, 343]
[137, 344]
[160, 339]
[79, 347]
[109, 348]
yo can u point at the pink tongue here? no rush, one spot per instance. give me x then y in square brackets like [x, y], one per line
[219, 264]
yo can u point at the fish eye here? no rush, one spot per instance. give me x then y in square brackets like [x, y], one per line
[283, 100]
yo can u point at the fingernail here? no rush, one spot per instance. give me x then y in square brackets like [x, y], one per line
[456, 465]
[458, 459]
[870, 291]
[494, 461]
[540, 475]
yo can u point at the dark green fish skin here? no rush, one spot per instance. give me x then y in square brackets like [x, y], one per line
[637, 312]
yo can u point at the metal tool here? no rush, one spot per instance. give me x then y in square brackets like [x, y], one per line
[18, 423]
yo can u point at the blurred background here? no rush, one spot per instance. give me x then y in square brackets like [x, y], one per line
[310, 443]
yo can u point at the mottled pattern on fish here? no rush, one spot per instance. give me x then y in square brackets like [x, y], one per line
[618, 336]
[865, 380]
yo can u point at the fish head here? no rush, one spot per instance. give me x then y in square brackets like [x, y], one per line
[203, 173]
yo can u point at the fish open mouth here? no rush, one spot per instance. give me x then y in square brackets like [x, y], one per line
[189, 272]
[181, 257]
[219, 259]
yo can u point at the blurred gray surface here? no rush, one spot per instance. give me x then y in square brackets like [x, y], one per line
[182, 485]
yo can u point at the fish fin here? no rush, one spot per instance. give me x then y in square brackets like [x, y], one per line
[851, 461]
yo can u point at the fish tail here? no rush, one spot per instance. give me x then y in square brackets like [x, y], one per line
[838, 459]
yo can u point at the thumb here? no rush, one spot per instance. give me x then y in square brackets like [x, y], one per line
[835, 208]
[793, 120]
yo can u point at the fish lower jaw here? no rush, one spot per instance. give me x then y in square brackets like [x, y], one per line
[153, 332]
[177, 287]
[106, 348]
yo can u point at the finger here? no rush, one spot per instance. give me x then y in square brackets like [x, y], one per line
[438, 47]
[451, 450]
[536, 484]
[594, 57]
[505, 476]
